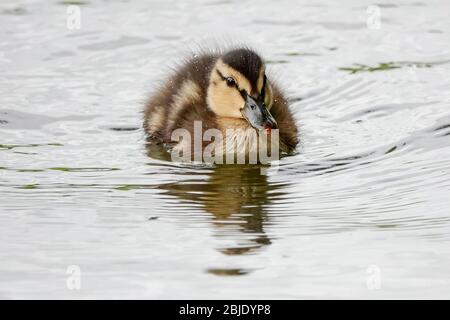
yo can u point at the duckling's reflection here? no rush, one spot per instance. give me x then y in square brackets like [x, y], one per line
[237, 196]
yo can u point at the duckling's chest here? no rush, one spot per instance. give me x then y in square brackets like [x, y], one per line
[228, 136]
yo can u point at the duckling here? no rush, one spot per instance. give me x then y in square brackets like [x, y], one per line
[221, 91]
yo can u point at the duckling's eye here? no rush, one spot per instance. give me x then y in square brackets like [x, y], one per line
[230, 82]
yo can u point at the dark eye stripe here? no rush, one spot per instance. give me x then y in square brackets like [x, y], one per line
[241, 91]
[244, 93]
[221, 75]
[263, 89]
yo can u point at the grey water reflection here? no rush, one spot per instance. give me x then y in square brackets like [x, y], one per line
[236, 197]
[368, 186]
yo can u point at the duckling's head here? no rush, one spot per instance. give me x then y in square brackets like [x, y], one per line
[238, 88]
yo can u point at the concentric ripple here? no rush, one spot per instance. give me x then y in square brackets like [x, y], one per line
[368, 188]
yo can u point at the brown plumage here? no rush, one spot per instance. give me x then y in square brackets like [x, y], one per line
[201, 90]
[158, 128]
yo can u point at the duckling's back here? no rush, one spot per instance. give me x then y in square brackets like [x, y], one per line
[180, 100]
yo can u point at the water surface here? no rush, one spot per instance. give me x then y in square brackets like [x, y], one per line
[361, 211]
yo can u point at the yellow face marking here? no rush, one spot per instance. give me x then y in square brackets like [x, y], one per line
[260, 81]
[268, 99]
[227, 101]
[223, 100]
[268, 94]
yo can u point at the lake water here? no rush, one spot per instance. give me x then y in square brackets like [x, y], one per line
[361, 211]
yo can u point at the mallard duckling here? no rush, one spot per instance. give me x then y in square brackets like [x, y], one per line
[228, 90]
